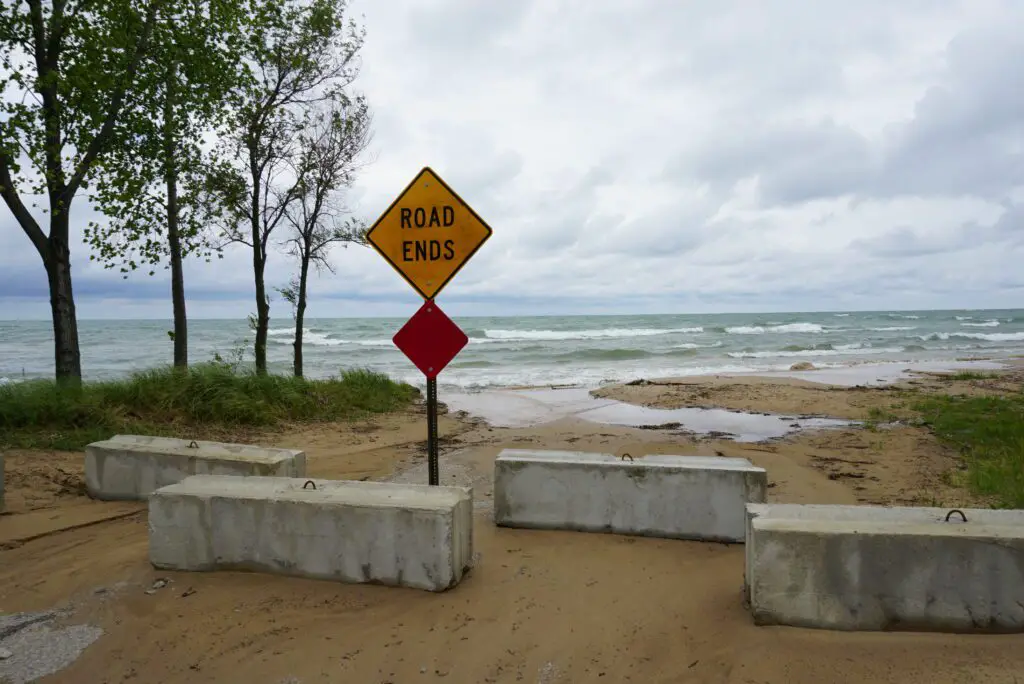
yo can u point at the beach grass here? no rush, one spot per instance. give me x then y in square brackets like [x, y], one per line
[988, 432]
[972, 375]
[204, 401]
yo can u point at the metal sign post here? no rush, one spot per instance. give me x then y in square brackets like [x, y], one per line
[433, 474]
[428, 234]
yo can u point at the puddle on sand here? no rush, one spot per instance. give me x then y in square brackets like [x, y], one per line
[524, 408]
[874, 374]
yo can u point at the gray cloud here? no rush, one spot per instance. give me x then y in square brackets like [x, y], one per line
[667, 156]
[964, 136]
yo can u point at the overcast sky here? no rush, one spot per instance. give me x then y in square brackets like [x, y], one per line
[656, 156]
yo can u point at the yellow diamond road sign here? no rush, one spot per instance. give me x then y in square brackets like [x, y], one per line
[428, 233]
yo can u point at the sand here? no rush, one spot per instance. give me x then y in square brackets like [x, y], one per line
[546, 607]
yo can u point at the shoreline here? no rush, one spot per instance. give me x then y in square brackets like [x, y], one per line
[866, 373]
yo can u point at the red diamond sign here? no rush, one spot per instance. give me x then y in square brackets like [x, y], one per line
[430, 339]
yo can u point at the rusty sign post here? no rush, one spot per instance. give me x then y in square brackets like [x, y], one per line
[428, 234]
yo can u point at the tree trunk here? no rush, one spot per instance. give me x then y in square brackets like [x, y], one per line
[262, 314]
[173, 236]
[67, 357]
[300, 313]
[259, 262]
[262, 317]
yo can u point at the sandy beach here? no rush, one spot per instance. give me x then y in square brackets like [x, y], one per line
[538, 606]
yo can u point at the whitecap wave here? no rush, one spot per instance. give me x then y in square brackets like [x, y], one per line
[520, 335]
[382, 342]
[279, 332]
[841, 350]
[989, 337]
[320, 339]
[691, 345]
[986, 324]
[784, 328]
[894, 328]
[315, 339]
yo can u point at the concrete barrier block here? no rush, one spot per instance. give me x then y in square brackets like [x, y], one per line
[681, 497]
[361, 532]
[877, 568]
[133, 466]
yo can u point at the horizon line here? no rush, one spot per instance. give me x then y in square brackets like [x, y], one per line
[573, 315]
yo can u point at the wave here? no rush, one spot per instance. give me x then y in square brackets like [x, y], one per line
[963, 318]
[840, 350]
[784, 328]
[285, 336]
[908, 317]
[308, 337]
[986, 324]
[692, 345]
[989, 337]
[603, 355]
[317, 339]
[518, 335]
[842, 315]
[825, 346]
[894, 328]
[473, 364]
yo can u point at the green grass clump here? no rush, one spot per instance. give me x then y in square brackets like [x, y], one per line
[205, 399]
[972, 375]
[989, 433]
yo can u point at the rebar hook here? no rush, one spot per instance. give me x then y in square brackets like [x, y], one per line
[625, 456]
[956, 510]
[309, 482]
[193, 444]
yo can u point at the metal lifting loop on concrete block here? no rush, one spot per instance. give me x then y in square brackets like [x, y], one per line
[625, 456]
[956, 510]
[309, 482]
[193, 444]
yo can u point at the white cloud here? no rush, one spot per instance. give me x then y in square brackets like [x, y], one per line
[668, 157]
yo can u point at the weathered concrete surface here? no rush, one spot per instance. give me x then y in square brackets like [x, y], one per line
[885, 568]
[365, 532]
[133, 466]
[681, 497]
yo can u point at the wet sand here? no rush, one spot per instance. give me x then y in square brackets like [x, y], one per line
[524, 408]
[547, 607]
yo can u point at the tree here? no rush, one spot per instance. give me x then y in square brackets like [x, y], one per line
[151, 184]
[68, 70]
[327, 162]
[301, 53]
